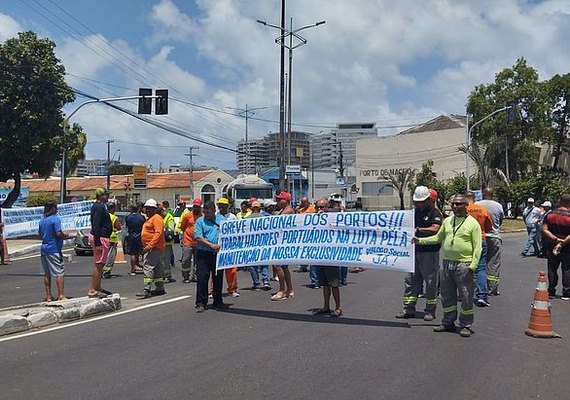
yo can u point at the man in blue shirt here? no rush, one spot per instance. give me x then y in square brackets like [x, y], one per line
[52, 244]
[206, 234]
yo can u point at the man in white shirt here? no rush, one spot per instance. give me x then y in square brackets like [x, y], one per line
[531, 218]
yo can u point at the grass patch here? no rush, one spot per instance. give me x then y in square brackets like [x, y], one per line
[513, 225]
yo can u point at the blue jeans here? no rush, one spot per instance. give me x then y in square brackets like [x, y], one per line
[532, 240]
[481, 274]
[313, 275]
[255, 274]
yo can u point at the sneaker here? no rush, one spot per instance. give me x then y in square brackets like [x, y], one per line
[211, 296]
[266, 286]
[565, 298]
[482, 303]
[465, 332]
[143, 294]
[107, 275]
[234, 294]
[405, 315]
[199, 308]
[445, 328]
[132, 273]
[257, 288]
[186, 281]
[428, 317]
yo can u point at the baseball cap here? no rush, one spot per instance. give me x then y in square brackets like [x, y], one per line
[421, 193]
[433, 194]
[547, 204]
[530, 200]
[255, 204]
[151, 203]
[223, 200]
[283, 196]
[197, 202]
[101, 191]
[269, 203]
[335, 197]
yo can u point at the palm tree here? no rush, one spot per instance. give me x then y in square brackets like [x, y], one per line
[400, 180]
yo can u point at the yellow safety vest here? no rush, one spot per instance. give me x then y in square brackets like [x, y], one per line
[169, 223]
[114, 238]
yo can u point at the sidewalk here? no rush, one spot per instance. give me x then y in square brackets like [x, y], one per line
[22, 247]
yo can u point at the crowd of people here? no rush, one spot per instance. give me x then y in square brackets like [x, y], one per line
[468, 276]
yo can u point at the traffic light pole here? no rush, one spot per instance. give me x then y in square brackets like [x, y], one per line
[62, 187]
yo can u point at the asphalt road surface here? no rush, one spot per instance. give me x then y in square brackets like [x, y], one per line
[277, 350]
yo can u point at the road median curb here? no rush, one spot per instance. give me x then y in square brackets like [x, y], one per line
[33, 316]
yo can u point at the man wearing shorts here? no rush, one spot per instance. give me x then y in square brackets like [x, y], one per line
[52, 244]
[283, 273]
[329, 277]
[101, 228]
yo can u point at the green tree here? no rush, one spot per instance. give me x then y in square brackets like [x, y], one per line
[32, 94]
[40, 199]
[426, 177]
[400, 180]
[557, 94]
[121, 169]
[508, 144]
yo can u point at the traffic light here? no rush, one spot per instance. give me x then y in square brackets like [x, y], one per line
[161, 102]
[511, 112]
[145, 103]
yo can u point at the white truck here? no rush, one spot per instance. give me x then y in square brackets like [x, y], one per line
[244, 187]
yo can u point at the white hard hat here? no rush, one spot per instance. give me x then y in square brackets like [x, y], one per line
[151, 203]
[421, 193]
[547, 204]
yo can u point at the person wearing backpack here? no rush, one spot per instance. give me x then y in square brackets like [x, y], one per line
[169, 233]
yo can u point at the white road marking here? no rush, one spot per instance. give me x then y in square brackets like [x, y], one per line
[88, 320]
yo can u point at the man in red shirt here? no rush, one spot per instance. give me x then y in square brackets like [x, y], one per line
[556, 230]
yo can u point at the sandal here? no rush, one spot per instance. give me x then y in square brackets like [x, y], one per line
[322, 311]
[97, 295]
[290, 294]
[279, 296]
[336, 313]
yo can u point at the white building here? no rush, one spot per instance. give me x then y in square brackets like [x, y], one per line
[327, 147]
[438, 140]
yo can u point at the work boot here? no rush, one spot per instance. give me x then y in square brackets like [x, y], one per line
[428, 317]
[144, 294]
[405, 315]
[465, 332]
[445, 328]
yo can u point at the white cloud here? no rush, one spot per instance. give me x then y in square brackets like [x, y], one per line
[9, 28]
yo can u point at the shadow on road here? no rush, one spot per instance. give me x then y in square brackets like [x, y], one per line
[314, 319]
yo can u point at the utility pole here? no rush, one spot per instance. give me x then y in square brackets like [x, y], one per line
[246, 113]
[282, 106]
[190, 155]
[109, 163]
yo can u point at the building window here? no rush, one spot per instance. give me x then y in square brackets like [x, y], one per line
[379, 188]
[208, 193]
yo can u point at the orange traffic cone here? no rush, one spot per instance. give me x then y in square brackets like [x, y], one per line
[120, 257]
[540, 325]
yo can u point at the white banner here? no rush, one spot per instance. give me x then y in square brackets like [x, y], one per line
[348, 239]
[20, 222]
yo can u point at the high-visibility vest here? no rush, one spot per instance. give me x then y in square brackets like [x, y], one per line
[114, 238]
[169, 223]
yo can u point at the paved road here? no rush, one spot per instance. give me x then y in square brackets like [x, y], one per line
[261, 349]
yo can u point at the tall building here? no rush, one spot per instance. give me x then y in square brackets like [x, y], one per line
[264, 152]
[327, 147]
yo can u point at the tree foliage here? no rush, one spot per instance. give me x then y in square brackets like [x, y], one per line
[400, 180]
[32, 94]
[40, 199]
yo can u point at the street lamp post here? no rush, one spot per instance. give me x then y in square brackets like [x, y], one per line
[246, 113]
[469, 129]
[281, 40]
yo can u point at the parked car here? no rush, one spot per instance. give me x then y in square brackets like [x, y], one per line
[81, 243]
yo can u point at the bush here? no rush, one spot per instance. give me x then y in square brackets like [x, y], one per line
[40, 199]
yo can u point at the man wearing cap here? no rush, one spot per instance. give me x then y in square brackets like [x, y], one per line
[244, 210]
[189, 243]
[254, 270]
[461, 237]
[153, 242]
[231, 273]
[269, 208]
[283, 273]
[207, 230]
[427, 220]
[531, 217]
[546, 209]
[493, 239]
[101, 229]
[167, 257]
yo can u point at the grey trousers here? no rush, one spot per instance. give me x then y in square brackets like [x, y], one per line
[152, 269]
[426, 268]
[456, 283]
[110, 263]
[188, 262]
[493, 264]
[165, 260]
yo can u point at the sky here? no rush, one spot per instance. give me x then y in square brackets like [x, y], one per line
[395, 63]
